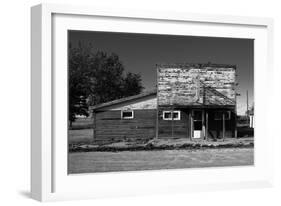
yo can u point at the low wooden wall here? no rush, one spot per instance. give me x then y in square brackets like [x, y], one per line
[110, 127]
[173, 128]
[182, 128]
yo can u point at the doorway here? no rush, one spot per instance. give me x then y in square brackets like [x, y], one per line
[197, 125]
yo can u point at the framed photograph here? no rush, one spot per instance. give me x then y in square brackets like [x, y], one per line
[140, 102]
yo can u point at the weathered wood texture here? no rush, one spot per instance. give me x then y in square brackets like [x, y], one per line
[183, 128]
[144, 96]
[149, 102]
[196, 85]
[215, 126]
[173, 128]
[110, 126]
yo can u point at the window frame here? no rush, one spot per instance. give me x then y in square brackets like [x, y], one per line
[131, 117]
[172, 112]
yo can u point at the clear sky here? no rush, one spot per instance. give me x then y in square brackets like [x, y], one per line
[140, 53]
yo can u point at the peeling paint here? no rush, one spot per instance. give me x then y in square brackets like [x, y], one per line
[192, 86]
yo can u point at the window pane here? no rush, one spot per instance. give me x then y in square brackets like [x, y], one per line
[218, 116]
[227, 115]
[167, 115]
[128, 114]
[175, 115]
[197, 115]
[198, 125]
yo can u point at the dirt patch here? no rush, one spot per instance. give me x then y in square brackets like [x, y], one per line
[160, 144]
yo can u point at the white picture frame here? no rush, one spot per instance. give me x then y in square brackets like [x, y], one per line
[49, 178]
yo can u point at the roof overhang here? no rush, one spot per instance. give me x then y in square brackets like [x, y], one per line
[123, 100]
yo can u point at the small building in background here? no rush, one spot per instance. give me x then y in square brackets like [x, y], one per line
[251, 118]
[195, 101]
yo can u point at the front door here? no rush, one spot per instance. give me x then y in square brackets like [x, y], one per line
[197, 124]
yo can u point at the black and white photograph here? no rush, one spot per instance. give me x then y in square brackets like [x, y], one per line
[140, 102]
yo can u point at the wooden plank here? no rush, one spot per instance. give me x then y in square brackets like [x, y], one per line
[110, 126]
[172, 128]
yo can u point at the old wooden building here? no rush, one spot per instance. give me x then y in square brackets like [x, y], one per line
[195, 101]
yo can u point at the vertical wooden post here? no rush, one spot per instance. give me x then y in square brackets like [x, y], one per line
[94, 125]
[235, 129]
[188, 125]
[207, 126]
[223, 126]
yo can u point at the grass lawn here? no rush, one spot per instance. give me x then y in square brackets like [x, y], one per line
[81, 136]
[90, 162]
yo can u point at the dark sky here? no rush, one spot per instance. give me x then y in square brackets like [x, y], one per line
[140, 53]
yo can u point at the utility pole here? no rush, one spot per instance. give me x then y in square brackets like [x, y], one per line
[247, 112]
[236, 118]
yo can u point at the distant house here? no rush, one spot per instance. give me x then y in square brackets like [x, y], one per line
[251, 118]
[195, 101]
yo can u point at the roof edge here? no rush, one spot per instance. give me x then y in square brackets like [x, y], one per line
[197, 65]
[122, 100]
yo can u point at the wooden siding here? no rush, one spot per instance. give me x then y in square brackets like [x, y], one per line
[110, 126]
[182, 128]
[215, 127]
[185, 85]
[173, 128]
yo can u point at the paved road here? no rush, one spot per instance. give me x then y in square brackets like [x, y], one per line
[89, 162]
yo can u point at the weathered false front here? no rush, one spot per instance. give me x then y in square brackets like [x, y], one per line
[196, 84]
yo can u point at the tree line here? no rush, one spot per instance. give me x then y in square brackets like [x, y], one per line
[96, 77]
